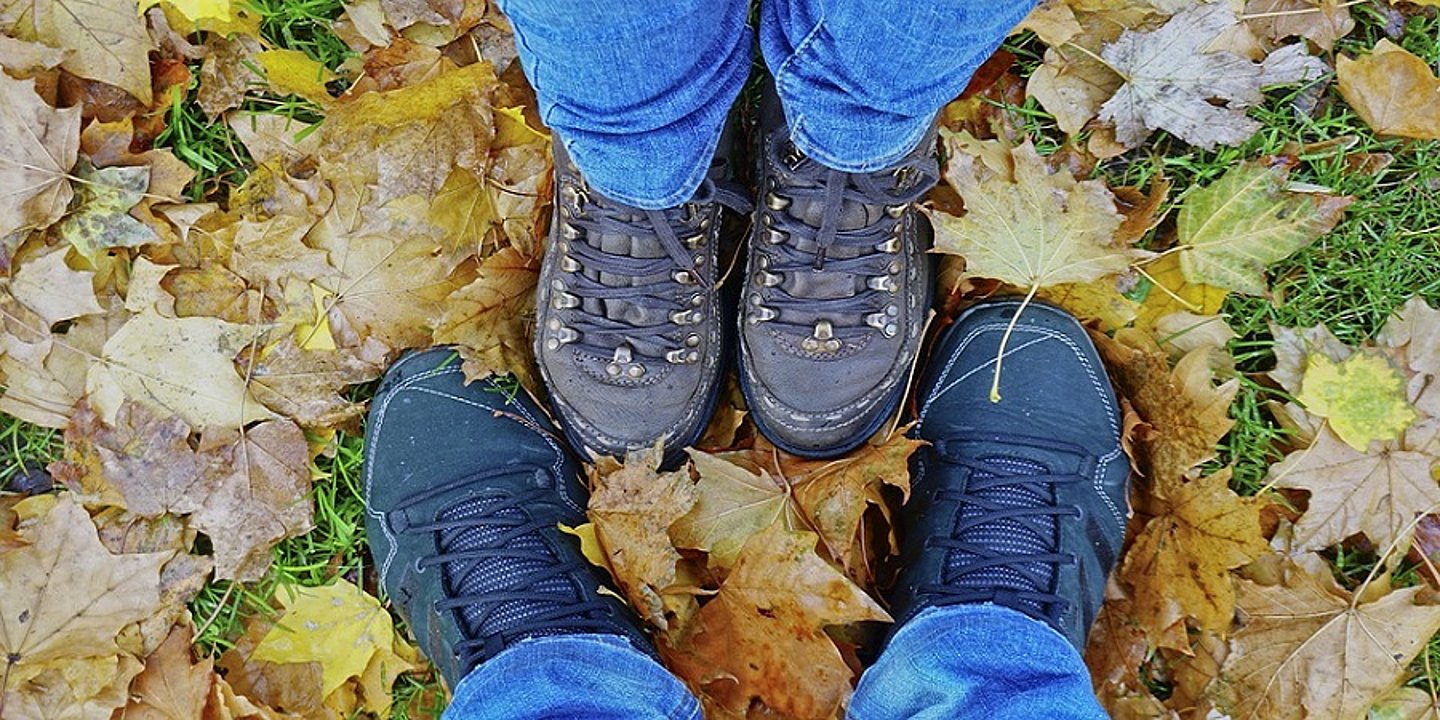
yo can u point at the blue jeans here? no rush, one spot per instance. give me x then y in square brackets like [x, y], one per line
[638, 91]
[954, 663]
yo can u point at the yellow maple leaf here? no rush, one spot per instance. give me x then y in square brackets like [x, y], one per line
[292, 71]
[1362, 398]
[339, 626]
[224, 17]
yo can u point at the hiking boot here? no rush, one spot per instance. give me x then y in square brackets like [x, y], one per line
[629, 332]
[465, 489]
[1020, 502]
[836, 292]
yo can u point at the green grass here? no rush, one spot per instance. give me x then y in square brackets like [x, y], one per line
[25, 448]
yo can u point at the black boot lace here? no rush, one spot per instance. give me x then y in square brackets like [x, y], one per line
[847, 226]
[501, 580]
[632, 306]
[1004, 546]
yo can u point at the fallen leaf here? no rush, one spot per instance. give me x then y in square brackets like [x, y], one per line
[1181, 333]
[338, 626]
[632, 506]
[145, 460]
[1320, 21]
[1098, 300]
[52, 290]
[101, 218]
[310, 387]
[196, 10]
[1179, 566]
[1168, 292]
[1234, 228]
[107, 40]
[292, 72]
[1377, 493]
[1025, 225]
[180, 366]
[79, 687]
[66, 596]
[1392, 90]
[1073, 82]
[731, 505]
[1305, 649]
[762, 637]
[492, 318]
[38, 146]
[1362, 399]
[1053, 21]
[1413, 332]
[1187, 412]
[171, 687]
[227, 73]
[1173, 83]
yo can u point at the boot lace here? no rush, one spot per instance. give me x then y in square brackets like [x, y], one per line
[1004, 544]
[860, 260]
[500, 578]
[636, 306]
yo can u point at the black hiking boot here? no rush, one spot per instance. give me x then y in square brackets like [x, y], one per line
[1021, 502]
[629, 330]
[836, 292]
[465, 487]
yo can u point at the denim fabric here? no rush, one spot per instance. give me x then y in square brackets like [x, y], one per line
[955, 663]
[638, 91]
[594, 677]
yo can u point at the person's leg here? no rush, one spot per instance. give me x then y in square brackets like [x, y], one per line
[466, 487]
[637, 91]
[1016, 517]
[628, 333]
[862, 82]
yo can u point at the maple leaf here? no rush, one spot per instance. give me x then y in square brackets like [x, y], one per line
[1180, 564]
[1187, 412]
[339, 626]
[632, 506]
[66, 596]
[731, 505]
[147, 461]
[1232, 229]
[38, 146]
[182, 366]
[294, 686]
[1169, 292]
[308, 386]
[763, 635]
[1172, 82]
[101, 218]
[1413, 334]
[1098, 300]
[292, 72]
[47, 286]
[1305, 649]
[1321, 21]
[107, 40]
[1025, 225]
[492, 317]
[1073, 81]
[408, 140]
[1362, 399]
[1392, 90]
[171, 687]
[1377, 493]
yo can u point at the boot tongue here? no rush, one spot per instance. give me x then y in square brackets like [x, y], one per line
[1009, 536]
[853, 215]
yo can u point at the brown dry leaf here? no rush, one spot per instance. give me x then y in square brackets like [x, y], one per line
[228, 72]
[146, 460]
[1024, 224]
[1413, 335]
[262, 496]
[38, 146]
[107, 40]
[1378, 493]
[171, 687]
[1053, 21]
[1073, 83]
[1320, 21]
[289, 687]
[732, 504]
[407, 141]
[52, 290]
[491, 318]
[1174, 81]
[762, 636]
[308, 386]
[1392, 90]
[1187, 412]
[835, 495]
[1179, 566]
[1181, 333]
[633, 506]
[1305, 649]
[66, 596]
[79, 688]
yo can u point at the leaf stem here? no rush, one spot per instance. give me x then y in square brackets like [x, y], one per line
[1087, 52]
[1005, 340]
[1192, 307]
[1302, 11]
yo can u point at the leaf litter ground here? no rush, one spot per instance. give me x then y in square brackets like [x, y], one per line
[1245, 269]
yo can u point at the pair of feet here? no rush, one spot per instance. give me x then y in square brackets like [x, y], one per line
[1019, 503]
[633, 326]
